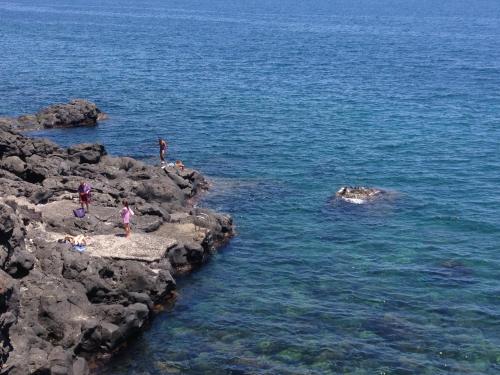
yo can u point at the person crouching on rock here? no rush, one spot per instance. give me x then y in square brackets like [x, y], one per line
[126, 213]
[163, 149]
[179, 165]
[84, 194]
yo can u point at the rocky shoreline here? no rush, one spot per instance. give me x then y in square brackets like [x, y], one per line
[78, 112]
[60, 308]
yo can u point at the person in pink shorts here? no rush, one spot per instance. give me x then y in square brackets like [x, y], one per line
[126, 213]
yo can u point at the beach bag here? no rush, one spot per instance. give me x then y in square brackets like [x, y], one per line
[79, 212]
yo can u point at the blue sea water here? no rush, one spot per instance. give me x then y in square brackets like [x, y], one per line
[281, 103]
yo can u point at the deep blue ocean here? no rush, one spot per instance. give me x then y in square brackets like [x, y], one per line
[281, 103]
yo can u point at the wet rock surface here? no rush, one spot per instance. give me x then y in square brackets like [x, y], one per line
[78, 112]
[358, 194]
[60, 308]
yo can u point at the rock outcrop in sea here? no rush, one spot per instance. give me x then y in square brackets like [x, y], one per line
[358, 194]
[78, 112]
[59, 307]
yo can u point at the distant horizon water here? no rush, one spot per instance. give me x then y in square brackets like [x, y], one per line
[280, 103]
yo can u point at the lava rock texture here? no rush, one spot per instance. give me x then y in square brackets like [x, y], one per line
[78, 112]
[359, 193]
[60, 308]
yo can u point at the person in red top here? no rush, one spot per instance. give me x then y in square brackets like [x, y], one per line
[84, 194]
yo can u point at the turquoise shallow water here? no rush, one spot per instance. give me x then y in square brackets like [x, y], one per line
[281, 103]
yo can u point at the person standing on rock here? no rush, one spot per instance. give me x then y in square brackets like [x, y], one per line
[84, 194]
[126, 213]
[163, 149]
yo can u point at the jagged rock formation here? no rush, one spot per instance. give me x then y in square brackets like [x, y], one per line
[78, 112]
[358, 194]
[58, 307]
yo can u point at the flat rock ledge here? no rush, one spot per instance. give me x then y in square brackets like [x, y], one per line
[60, 308]
[78, 112]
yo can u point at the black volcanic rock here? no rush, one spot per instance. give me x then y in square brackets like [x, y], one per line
[59, 307]
[358, 193]
[78, 112]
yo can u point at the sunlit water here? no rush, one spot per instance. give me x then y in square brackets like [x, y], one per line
[281, 103]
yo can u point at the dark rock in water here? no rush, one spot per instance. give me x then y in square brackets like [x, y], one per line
[358, 194]
[59, 306]
[456, 268]
[452, 264]
[390, 327]
[78, 112]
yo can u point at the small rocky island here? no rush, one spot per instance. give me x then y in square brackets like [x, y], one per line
[78, 112]
[358, 194]
[60, 308]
